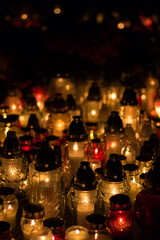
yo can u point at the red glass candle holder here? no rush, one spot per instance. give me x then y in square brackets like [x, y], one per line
[40, 134]
[120, 217]
[57, 227]
[26, 142]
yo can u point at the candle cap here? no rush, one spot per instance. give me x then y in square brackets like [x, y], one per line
[85, 178]
[131, 169]
[11, 147]
[48, 104]
[7, 193]
[59, 104]
[94, 92]
[77, 131]
[120, 202]
[152, 178]
[113, 170]
[46, 158]
[4, 228]
[30, 103]
[114, 123]
[129, 97]
[33, 211]
[145, 152]
[26, 140]
[1, 204]
[71, 103]
[55, 224]
[10, 119]
[33, 122]
[96, 221]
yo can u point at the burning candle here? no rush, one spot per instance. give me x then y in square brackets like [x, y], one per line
[120, 216]
[42, 233]
[77, 233]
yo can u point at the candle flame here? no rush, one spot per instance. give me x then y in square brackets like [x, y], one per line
[96, 151]
[93, 112]
[77, 231]
[75, 147]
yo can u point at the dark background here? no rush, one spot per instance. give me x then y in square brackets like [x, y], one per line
[35, 49]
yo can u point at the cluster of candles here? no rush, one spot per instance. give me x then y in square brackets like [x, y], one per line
[80, 170]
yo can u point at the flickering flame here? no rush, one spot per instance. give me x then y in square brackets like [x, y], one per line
[93, 112]
[24, 16]
[13, 107]
[152, 82]
[91, 134]
[120, 25]
[113, 96]
[77, 231]
[75, 147]
[57, 10]
[60, 79]
[68, 87]
[96, 236]
[114, 191]
[143, 97]
[113, 145]
[47, 180]
[60, 125]
[32, 222]
[96, 151]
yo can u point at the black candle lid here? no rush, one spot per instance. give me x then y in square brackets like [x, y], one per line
[120, 202]
[53, 223]
[6, 191]
[4, 227]
[131, 169]
[129, 97]
[77, 131]
[71, 103]
[11, 147]
[85, 178]
[59, 104]
[114, 123]
[30, 103]
[11, 118]
[94, 92]
[152, 178]
[96, 221]
[33, 211]
[113, 170]
[145, 152]
[46, 158]
[51, 138]
[33, 121]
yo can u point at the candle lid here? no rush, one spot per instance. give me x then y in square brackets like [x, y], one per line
[55, 224]
[96, 221]
[129, 97]
[113, 169]
[131, 169]
[33, 211]
[94, 92]
[1, 204]
[11, 147]
[59, 104]
[145, 152]
[51, 138]
[71, 103]
[33, 121]
[96, 140]
[48, 104]
[41, 130]
[26, 140]
[120, 202]
[77, 131]
[46, 158]
[84, 178]
[30, 103]
[4, 227]
[11, 118]
[152, 178]
[114, 123]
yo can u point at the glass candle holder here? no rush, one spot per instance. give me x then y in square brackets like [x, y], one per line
[40, 134]
[120, 217]
[2, 214]
[77, 233]
[5, 230]
[10, 205]
[57, 227]
[97, 227]
[32, 217]
[42, 233]
[26, 142]
[97, 148]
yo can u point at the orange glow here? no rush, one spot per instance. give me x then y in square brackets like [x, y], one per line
[100, 18]
[57, 10]
[120, 25]
[24, 16]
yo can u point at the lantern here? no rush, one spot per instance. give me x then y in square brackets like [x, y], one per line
[129, 108]
[113, 180]
[57, 227]
[26, 142]
[92, 104]
[92, 130]
[133, 175]
[82, 197]
[29, 107]
[10, 123]
[97, 156]
[14, 164]
[147, 205]
[45, 181]
[10, 205]
[97, 227]
[42, 233]
[77, 140]
[120, 217]
[72, 107]
[59, 118]
[32, 217]
[77, 232]
[114, 135]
